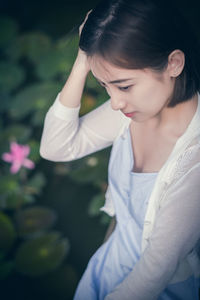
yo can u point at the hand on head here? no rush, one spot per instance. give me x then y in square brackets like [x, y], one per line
[81, 26]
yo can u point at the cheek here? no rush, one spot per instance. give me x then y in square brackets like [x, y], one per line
[158, 90]
[152, 96]
[145, 91]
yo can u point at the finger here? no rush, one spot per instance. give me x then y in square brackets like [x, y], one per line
[81, 27]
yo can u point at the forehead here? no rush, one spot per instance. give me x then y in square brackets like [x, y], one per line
[105, 71]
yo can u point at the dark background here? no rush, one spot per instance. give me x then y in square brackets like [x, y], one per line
[57, 17]
[53, 17]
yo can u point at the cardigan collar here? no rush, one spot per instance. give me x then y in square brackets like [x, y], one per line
[192, 131]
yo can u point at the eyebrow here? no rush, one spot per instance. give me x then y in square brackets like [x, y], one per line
[117, 81]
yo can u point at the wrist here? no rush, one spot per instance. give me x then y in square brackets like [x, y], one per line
[81, 64]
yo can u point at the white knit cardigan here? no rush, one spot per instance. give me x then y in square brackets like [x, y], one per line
[174, 206]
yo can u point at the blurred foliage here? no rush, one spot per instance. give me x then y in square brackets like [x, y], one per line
[41, 254]
[33, 220]
[33, 69]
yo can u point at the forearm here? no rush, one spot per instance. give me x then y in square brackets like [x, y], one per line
[72, 91]
[60, 126]
[62, 120]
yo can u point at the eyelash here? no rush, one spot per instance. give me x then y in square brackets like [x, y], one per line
[124, 88]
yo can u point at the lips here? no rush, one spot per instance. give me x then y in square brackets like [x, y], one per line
[130, 115]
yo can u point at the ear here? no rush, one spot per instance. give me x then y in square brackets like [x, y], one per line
[176, 62]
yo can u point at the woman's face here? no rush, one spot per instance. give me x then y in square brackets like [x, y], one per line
[140, 94]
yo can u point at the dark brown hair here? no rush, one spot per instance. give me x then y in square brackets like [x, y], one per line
[138, 34]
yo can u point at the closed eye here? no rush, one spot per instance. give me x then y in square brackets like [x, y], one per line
[121, 88]
[124, 88]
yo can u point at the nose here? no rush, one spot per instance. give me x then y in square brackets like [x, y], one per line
[117, 102]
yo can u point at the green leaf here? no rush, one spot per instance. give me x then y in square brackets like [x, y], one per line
[11, 76]
[59, 59]
[68, 47]
[7, 233]
[34, 220]
[32, 45]
[38, 96]
[52, 64]
[42, 254]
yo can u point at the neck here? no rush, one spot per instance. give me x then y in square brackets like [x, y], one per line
[176, 119]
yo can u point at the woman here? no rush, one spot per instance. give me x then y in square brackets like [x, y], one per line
[144, 54]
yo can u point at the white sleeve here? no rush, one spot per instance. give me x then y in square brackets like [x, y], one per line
[175, 234]
[67, 137]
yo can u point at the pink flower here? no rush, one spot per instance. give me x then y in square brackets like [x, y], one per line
[18, 157]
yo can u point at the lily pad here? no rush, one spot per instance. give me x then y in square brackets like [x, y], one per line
[42, 254]
[32, 98]
[68, 46]
[52, 64]
[15, 201]
[59, 59]
[34, 220]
